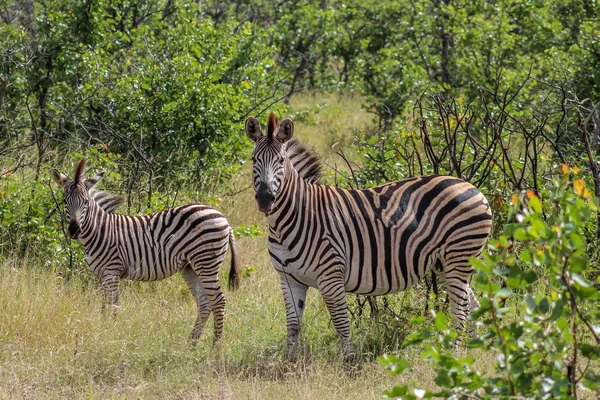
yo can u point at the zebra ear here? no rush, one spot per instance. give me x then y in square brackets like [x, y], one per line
[286, 130]
[79, 171]
[253, 130]
[90, 183]
[58, 177]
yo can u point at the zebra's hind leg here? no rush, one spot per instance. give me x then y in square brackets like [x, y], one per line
[455, 278]
[195, 286]
[473, 304]
[208, 272]
[294, 294]
[331, 286]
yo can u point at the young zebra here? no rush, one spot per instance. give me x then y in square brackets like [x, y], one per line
[191, 238]
[372, 242]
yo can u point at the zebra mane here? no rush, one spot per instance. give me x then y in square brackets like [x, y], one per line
[107, 201]
[305, 162]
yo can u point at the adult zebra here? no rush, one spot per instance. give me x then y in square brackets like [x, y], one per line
[191, 238]
[371, 242]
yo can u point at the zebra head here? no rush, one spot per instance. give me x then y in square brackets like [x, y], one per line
[76, 195]
[268, 158]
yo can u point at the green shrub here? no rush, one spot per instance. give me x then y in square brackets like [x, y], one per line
[549, 345]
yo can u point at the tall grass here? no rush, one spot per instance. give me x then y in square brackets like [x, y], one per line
[56, 341]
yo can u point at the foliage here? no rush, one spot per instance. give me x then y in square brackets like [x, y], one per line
[26, 224]
[248, 231]
[548, 346]
[152, 82]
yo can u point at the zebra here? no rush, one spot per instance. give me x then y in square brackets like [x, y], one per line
[372, 242]
[107, 201]
[191, 238]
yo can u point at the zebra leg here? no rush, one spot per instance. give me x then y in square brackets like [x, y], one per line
[460, 295]
[110, 286]
[473, 304]
[294, 294]
[331, 286]
[209, 278]
[202, 302]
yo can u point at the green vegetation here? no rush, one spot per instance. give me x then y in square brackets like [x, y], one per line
[548, 346]
[155, 93]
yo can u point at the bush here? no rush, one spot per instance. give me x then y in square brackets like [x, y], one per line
[152, 82]
[540, 266]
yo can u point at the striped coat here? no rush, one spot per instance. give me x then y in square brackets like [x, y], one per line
[192, 239]
[373, 242]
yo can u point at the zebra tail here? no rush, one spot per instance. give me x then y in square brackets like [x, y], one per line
[234, 279]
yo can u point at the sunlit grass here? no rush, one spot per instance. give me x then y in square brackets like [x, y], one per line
[59, 342]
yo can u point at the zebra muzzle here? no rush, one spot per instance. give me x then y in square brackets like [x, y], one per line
[265, 201]
[73, 230]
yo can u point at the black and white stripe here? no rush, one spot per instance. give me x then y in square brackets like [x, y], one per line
[373, 242]
[191, 238]
[107, 201]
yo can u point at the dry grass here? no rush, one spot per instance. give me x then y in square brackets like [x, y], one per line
[55, 341]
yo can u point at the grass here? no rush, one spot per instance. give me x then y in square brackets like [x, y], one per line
[56, 342]
[59, 343]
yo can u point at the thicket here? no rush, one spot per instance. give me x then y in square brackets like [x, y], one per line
[539, 313]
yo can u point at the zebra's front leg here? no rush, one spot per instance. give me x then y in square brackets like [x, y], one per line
[110, 286]
[294, 294]
[331, 286]
[202, 302]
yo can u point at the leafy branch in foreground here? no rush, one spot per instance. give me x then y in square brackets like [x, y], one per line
[549, 347]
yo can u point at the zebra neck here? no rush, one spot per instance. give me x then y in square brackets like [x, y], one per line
[289, 198]
[90, 229]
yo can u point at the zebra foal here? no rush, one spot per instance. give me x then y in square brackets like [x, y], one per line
[192, 239]
[372, 242]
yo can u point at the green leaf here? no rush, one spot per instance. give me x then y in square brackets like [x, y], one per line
[591, 380]
[517, 367]
[530, 276]
[578, 264]
[525, 256]
[531, 305]
[544, 306]
[590, 351]
[397, 391]
[393, 364]
[441, 321]
[535, 204]
[557, 310]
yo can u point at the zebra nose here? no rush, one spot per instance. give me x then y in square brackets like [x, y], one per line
[262, 197]
[265, 200]
[73, 229]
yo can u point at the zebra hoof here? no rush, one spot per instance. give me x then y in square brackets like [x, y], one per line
[292, 352]
[111, 309]
[194, 337]
[350, 354]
